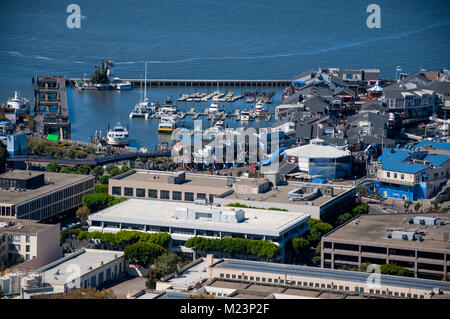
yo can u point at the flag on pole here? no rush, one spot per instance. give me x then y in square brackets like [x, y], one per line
[399, 69]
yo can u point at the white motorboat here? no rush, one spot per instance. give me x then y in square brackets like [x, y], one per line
[213, 108]
[19, 104]
[259, 107]
[245, 116]
[143, 107]
[167, 124]
[124, 85]
[118, 136]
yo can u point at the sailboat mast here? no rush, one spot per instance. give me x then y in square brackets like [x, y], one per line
[145, 83]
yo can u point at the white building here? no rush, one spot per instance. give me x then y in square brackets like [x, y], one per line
[186, 220]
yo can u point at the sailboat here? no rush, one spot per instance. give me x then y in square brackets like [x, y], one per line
[142, 108]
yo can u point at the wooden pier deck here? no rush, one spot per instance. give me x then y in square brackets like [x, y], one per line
[223, 115]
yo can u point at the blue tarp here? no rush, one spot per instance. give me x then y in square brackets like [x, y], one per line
[298, 82]
[319, 180]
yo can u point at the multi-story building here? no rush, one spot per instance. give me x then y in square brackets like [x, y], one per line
[187, 220]
[410, 174]
[318, 201]
[420, 244]
[39, 196]
[313, 278]
[410, 103]
[357, 78]
[36, 243]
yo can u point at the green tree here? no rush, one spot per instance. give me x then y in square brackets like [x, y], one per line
[361, 209]
[53, 167]
[142, 253]
[84, 169]
[68, 170]
[344, 218]
[104, 180]
[393, 269]
[300, 244]
[96, 202]
[125, 168]
[98, 170]
[362, 190]
[83, 213]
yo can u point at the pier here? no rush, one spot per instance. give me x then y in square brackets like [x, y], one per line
[201, 82]
[50, 106]
[223, 115]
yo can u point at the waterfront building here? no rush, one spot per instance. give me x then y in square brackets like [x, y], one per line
[187, 220]
[39, 196]
[411, 174]
[36, 243]
[416, 242]
[317, 158]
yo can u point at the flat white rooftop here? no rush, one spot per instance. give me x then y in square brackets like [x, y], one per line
[61, 271]
[161, 213]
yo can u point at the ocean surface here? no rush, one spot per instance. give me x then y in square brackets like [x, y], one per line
[206, 39]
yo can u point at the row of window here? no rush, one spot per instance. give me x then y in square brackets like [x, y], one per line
[319, 285]
[385, 250]
[163, 194]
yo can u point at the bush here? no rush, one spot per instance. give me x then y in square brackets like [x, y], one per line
[260, 248]
[142, 253]
[344, 218]
[361, 209]
[393, 269]
[53, 167]
[83, 213]
[68, 170]
[101, 188]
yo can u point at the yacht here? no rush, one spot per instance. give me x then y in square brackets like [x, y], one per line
[219, 124]
[245, 116]
[259, 107]
[19, 104]
[124, 85]
[167, 124]
[167, 109]
[118, 135]
[139, 110]
[213, 108]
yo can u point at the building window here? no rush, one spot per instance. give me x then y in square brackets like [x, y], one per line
[128, 191]
[388, 174]
[116, 190]
[176, 195]
[27, 257]
[27, 248]
[402, 176]
[201, 196]
[164, 194]
[395, 175]
[233, 276]
[28, 239]
[140, 192]
[152, 193]
[189, 197]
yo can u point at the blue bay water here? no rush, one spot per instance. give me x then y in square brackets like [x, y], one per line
[208, 39]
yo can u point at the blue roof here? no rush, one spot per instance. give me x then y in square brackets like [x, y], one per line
[436, 145]
[437, 159]
[393, 160]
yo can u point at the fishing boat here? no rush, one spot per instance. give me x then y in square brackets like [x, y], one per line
[19, 104]
[118, 136]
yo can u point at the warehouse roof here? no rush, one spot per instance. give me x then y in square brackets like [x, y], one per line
[332, 274]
